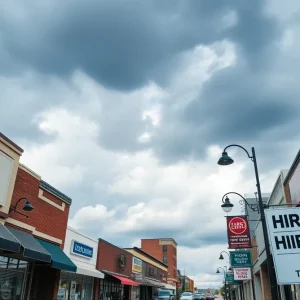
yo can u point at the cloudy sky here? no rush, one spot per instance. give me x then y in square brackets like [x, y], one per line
[126, 105]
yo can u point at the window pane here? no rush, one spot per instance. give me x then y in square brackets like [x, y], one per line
[3, 262]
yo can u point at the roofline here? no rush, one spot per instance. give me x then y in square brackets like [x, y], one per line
[52, 190]
[154, 239]
[148, 255]
[292, 168]
[106, 242]
[11, 142]
[275, 185]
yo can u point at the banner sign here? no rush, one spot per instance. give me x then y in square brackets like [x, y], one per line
[241, 258]
[238, 232]
[284, 236]
[242, 273]
[229, 279]
[136, 265]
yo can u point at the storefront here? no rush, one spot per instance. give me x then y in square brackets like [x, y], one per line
[116, 264]
[33, 222]
[148, 272]
[82, 250]
[27, 263]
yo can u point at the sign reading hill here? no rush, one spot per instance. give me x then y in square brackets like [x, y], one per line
[241, 258]
[284, 234]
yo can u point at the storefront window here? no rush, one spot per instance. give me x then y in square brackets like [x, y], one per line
[75, 287]
[12, 278]
[110, 290]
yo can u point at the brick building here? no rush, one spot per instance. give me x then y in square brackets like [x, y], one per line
[165, 250]
[33, 222]
[116, 264]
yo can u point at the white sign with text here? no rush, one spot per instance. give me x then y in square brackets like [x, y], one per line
[242, 273]
[284, 235]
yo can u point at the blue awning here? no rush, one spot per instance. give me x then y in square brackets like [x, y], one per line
[31, 247]
[59, 259]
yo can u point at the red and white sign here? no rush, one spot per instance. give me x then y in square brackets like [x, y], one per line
[242, 273]
[238, 232]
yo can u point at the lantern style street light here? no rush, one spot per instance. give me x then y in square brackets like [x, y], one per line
[227, 205]
[225, 284]
[222, 257]
[226, 160]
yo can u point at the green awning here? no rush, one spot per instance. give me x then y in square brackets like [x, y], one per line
[59, 259]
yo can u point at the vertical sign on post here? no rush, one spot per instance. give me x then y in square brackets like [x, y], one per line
[238, 232]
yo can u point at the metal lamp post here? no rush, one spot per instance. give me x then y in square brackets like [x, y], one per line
[222, 257]
[225, 286]
[227, 160]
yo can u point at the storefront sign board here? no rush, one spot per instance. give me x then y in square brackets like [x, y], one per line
[241, 258]
[283, 228]
[82, 249]
[238, 232]
[242, 273]
[137, 265]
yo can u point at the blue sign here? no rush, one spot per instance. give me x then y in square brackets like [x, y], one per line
[83, 250]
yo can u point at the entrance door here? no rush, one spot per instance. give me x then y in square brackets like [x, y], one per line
[126, 292]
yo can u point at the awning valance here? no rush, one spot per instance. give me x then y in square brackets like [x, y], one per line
[8, 241]
[59, 259]
[154, 283]
[31, 247]
[88, 271]
[125, 281]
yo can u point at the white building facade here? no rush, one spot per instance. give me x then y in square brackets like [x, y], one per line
[83, 251]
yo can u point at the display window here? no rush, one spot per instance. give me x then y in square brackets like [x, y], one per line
[110, 290]
[75, 287]
[13, 275]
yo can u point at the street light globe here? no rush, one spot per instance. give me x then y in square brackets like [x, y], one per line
[225, 160]
[221, 256]
[227, 205]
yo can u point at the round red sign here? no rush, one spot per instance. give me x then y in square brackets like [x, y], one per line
[237, 225]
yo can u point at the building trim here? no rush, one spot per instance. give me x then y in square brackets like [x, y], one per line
[42, 197]
[50, 189]
[110, 244]
[146, 259]
[292, 168]
[143, 253]
[81, 234]
[29, 171]
[161, 240]
[33, 230]
[11, 143]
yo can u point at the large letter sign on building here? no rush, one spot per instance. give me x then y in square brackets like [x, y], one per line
[284, 235]
[238, 232]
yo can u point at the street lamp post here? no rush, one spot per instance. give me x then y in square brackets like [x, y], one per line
[222, 257]
[225, 286]
[227, 160]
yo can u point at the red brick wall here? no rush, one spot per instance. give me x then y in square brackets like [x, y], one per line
[159, 274]
[44, 217]
[107, 259]
[153, 247]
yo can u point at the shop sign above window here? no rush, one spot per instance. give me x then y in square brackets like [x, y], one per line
[81, 249]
